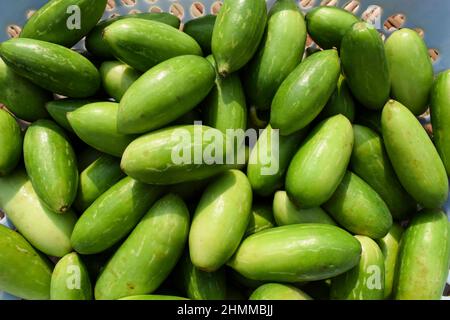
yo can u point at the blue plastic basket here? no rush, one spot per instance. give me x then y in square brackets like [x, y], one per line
[430, 16]
[427, 17]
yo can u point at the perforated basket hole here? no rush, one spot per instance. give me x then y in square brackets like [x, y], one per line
[155, 9]
[352, 6]
[177, 10]
[420, 32]
[424, 118]
[134, 11]
[110, 5]
[151, 1]
[113, 15]
[29, 13]
[215, 7]
[329, 3]
[373, 16]
[306, 4]
[128, 3]
[309, 42]
[13, 30]
[434, 54]
[395, 22]
[197, 9]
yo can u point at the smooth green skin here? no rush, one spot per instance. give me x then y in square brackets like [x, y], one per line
[390, 245]
[261, 164]
[305, 92]
[341, 102]
[278, 291]
[52, 67]
[413, 156]
[47, 231]
[280, 51]
[24, 273]
[300, 252]
[98, 177]
[261, 218]
[366, 280]
[95, 124]
[201, 285]
[319, 165]
[50, 22]
[370, 162]
[70, 279]
[149, 254]
[440, 115]
[51, 164]
[225, 106]
[424, 257]
[237, 33]
[153, 297]
[220, 220]
[10, 143]
[365, 65]
[143, 44]
[286, 212]
[164, 93]
[24, 99]
[99, 47]
[370, 119]
[113, 215]
[117, 78]
[59, 109]
[358, 208]
[410, 69]
[327, 25]
[149, 158]
[201, 29]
